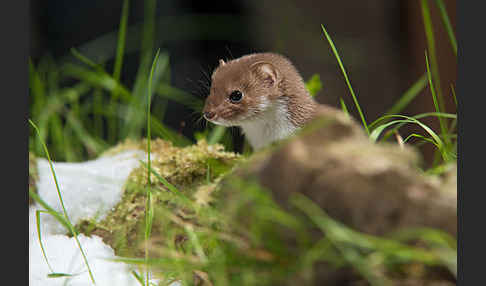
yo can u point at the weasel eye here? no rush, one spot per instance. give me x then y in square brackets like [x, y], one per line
[235, 96]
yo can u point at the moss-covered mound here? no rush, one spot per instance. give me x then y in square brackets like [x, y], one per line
[191, 172]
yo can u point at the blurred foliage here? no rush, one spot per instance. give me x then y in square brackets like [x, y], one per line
[314, 84]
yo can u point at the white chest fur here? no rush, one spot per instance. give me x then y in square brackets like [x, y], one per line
[272, 125]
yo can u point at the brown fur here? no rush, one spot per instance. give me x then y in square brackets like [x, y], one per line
[261, 77]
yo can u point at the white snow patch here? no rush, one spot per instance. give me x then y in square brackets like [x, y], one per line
[65, 257]
[89, 189]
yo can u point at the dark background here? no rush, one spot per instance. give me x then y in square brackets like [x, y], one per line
[381, 42]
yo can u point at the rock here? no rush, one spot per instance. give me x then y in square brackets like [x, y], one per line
[374, 188]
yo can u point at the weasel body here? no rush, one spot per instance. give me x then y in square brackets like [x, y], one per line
[262, 93]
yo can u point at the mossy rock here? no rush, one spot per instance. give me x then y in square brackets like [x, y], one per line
[192, 170]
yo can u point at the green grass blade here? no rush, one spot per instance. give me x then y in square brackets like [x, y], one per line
[166, 91]
[336, 54]
[59, 275]
[52, 170]
[414, 135]
[429, 33]
[445, 153]
[173, 189]
[72, 152]
[149, 99]
[121, 40]
[97, 79]
[378, 130]
[93, 144]
[55, 129]
[149, 217]
[447, 24]
[113, 122]
[134, 120]
[71, 228]
[195, 242]
[133, 124]
[168, 185]
[418, 116]
[38, 101]
[37, 221]
[408, 96]
[314, 84]
[149, 202]
[138, 277]
[51, 211]
[453, 94]
[37, 89]
[86, 60]
[168, 134]
[98, 106]
[216, 134]
[442, 123]
[343, 107]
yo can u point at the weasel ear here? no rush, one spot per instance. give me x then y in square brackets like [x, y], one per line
[266, 72]
[221, 62]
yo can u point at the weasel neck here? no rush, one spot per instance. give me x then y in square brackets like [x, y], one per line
[274, 124]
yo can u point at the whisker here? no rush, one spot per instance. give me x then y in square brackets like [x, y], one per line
[195, 84]
[196, 116]
[206, 74]
[197, 89]
[204, 84]
[231, 55]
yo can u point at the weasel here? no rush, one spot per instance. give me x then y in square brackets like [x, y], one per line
[264, 94]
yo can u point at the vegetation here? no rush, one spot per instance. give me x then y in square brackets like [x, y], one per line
[81, 110]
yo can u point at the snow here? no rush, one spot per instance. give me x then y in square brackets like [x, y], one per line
[89, 190]
[64, 257]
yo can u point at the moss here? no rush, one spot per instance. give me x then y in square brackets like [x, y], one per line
[33, 175]
[184, 166]
[193, 170]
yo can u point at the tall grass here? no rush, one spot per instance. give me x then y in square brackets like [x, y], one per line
[82, 109]
[443, 140]
[65, 219]
[341, 66]
[149, 215]
[113, 122]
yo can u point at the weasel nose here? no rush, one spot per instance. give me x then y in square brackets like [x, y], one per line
[209, 114]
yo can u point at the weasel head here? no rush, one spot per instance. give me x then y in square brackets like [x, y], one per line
[242, 90]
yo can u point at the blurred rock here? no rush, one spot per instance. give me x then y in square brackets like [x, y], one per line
[374, 188]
